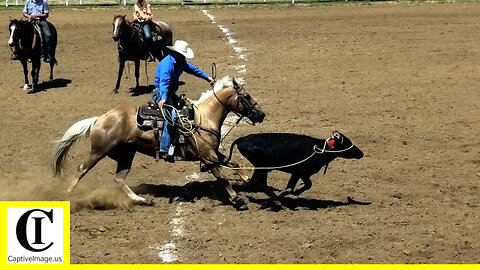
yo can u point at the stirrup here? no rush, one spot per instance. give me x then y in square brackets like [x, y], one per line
[167, 158]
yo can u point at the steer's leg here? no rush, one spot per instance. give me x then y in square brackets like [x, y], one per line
[259, 178]
[290, 186]
[307, 184]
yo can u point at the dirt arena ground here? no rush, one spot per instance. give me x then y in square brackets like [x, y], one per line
[400, 80]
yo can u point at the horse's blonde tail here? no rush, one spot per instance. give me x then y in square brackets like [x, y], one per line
[76, 131]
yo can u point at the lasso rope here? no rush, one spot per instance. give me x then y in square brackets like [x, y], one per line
[316, 150]
[191, 131]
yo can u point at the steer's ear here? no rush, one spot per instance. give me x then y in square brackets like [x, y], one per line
[338, 138]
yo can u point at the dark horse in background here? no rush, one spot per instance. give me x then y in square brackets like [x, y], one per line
[26, 41]
[131, 46]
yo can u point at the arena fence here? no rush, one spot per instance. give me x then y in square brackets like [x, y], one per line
[16, 3]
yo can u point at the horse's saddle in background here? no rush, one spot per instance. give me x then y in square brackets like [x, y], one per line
[155, 30]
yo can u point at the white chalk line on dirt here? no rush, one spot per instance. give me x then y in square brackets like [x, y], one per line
[168, 251]
[241, 68]
[240, 51]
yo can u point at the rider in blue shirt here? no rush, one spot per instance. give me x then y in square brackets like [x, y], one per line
[38, 10]
[166, 84]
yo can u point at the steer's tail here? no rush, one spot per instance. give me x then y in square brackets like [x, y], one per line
[76, 131]
[231, 151]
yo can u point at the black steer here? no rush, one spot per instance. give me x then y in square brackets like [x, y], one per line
[300, 155]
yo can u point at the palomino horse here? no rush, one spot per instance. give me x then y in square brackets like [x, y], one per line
[26, 41]
[116, 135]
[132, 48]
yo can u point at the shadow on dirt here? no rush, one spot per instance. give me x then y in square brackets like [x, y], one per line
[145, 90]
[187, 193]
[214, 190]
[296, 204]
[141, 90]
[56, 83]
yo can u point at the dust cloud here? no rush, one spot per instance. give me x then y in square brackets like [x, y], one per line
[42, 186]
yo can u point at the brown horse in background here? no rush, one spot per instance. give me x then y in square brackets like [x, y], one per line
[26, 42]
[132, 48]
[116, 135]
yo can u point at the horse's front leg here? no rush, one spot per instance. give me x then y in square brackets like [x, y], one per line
[25, 72]
[238, 202]
[137, 73]
[121, 66]
[35, 74]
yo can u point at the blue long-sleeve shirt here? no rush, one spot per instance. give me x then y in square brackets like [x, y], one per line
[168, 74]
[36, 7]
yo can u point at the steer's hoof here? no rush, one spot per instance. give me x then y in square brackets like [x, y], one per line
[241, 205]
[276, 205]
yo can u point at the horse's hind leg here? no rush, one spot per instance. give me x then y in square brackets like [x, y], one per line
[86, 165]
[124, 161]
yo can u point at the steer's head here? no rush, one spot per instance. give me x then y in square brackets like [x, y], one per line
[342, 145]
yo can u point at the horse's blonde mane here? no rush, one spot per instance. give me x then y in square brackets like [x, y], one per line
[219, 85]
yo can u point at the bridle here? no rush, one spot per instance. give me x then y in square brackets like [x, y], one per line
[239, 97]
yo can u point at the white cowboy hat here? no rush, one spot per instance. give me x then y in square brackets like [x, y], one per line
[181, 47]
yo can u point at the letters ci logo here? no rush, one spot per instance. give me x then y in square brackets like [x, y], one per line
[35, 235]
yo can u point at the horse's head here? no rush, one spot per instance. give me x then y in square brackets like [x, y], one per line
[118, 21]
[240, 100]
[14, 27]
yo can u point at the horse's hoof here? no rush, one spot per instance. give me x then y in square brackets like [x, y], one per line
[144, 202]
[241, 205]
[31, 91]
[114, 92]
[25, 87]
